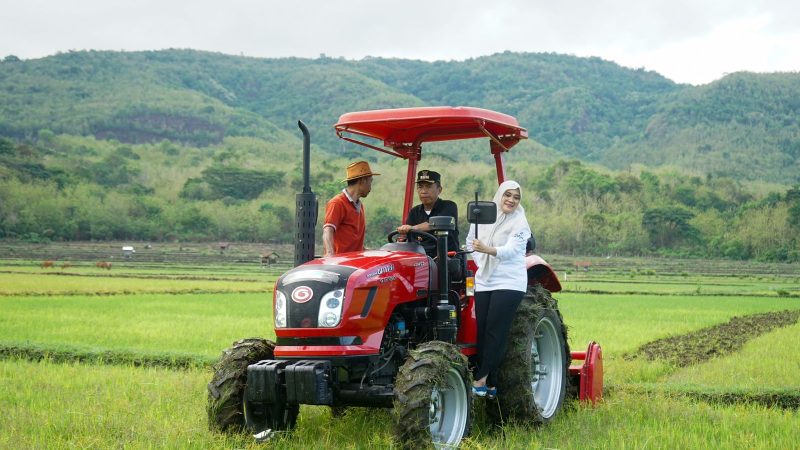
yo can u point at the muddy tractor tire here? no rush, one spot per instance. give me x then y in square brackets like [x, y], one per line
[532, 379]
[433, 397]
[225, 407]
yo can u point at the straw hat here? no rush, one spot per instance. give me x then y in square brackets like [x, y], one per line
[359, 170]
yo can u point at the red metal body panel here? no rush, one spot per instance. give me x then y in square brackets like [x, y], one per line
[399, 277]
[590, 374]
[468, 329]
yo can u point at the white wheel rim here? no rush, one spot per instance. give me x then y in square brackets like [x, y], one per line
[448, 411]
[547, 367]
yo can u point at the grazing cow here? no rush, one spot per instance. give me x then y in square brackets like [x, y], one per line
[103, 265]
[583, 265]
[47, 264]
[65, 265]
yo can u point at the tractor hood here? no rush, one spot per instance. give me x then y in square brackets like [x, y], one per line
[346, 300]
[304, 287]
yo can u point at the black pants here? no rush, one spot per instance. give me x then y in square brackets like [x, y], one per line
[495, 311]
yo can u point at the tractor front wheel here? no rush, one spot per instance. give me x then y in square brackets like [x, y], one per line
[433, 397]
[532, 380]
[226, 403]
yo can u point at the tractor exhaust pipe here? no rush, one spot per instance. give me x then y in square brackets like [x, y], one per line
[306, 207]
[306, 156]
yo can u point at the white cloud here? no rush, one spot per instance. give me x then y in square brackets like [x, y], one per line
[739, 45]
[688, 40]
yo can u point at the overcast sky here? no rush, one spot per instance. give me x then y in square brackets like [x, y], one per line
[688, 41]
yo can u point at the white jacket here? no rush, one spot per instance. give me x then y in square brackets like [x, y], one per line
[510, 273]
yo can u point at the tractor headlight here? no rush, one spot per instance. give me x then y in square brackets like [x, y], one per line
[280, 309]
[330, 309]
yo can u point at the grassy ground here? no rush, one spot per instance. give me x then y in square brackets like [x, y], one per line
[202, 324]
[745, 285]
[89, 406]
[768, 362]
[621, 323]
[69, 284]
[648, 404]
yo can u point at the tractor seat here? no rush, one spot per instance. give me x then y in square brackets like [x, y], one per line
[412, 247]
[456, 269]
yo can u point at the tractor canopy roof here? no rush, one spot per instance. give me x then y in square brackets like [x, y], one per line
[406, 129]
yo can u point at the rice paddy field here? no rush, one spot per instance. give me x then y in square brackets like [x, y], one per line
[697, 354]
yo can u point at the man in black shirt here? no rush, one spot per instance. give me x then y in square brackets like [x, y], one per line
[429, 187]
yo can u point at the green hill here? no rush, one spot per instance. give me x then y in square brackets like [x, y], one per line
[744, 125]
[192, 145]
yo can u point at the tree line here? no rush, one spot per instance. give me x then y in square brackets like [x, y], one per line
[80, 189]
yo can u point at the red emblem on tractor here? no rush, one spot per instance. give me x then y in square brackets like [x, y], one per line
[302, 294]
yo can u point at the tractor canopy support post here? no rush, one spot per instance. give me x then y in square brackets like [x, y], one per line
[497, 152]
[411, 176]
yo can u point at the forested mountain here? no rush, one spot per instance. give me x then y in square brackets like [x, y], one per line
[744, 125]
[191, 145]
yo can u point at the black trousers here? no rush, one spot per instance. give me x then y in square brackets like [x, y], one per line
[495, 311]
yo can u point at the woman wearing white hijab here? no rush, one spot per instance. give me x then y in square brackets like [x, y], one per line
[500, 282]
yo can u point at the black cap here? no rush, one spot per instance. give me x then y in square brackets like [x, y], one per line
[428, 176]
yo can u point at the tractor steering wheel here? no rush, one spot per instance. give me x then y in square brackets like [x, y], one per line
[411, 234]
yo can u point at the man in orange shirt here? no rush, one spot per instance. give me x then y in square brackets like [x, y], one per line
[345, 218]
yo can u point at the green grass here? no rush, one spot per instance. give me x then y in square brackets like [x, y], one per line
[768, 362]
[249, 271]
[204, 324]
[621, 323]
[648, 404]
[677, 285]
[58, 406]
[201, 324]
[78, 406]
[635, 421]
[17, 284]
[73, 405]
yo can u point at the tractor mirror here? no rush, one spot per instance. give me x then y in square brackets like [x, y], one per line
[482, 213]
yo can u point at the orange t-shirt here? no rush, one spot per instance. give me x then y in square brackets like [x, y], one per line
[349, 224]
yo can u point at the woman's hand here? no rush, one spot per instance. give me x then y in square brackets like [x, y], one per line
[479, 246]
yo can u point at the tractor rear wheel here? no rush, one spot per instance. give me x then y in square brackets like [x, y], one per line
[433, 397]
[532, 379]
[225, 407]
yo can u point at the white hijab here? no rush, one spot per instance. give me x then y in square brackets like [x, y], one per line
[497, 234]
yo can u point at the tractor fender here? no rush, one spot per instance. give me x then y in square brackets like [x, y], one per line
[540, 272]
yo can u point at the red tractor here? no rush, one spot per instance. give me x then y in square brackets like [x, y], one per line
[393, 327]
